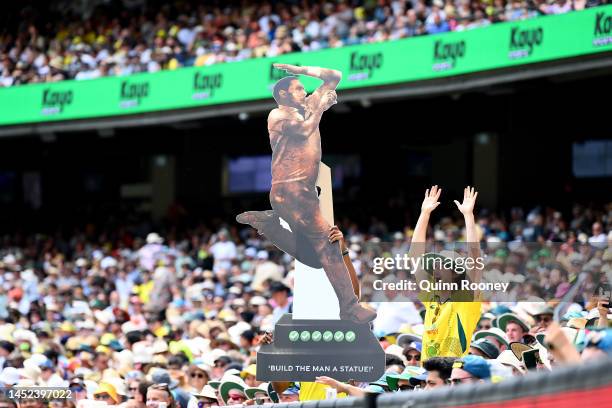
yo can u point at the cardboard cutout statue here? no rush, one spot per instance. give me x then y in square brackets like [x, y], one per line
[296, 156]
[307, 346]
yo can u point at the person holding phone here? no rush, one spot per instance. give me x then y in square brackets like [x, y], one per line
[532, 360]
[603, 308]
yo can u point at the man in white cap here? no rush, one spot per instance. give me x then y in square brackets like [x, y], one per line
[266, 269]
[148, 254]
[223, 251]
[9, 377]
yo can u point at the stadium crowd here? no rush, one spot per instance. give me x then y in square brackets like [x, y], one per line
[176, 320]
[93, 39]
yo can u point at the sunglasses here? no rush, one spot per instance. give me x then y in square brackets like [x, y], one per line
[133, 389]
[545, 319]
[102, 397]
[197, 375]
[404, 387]
[456, 381]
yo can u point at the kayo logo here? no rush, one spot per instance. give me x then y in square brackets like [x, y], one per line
[204, 86]
[523, 42]
[362, 66]
[446, 54]
[131, 93]
[53, 102]
[603, 29]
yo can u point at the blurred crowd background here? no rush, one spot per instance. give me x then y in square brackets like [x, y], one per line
[171, 314]
[43, 42]
[110, 311]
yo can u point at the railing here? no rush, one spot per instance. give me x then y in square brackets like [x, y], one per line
[586, 385]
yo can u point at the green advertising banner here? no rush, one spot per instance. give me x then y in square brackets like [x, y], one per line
[427, 57]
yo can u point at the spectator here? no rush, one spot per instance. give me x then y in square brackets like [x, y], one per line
[513, 326]
[484, 348]
[198, 376]
[598, 238]
[439, 371]
[106, 392]
[223, 251]
[280, 296]
[160, 393]
[470, 369]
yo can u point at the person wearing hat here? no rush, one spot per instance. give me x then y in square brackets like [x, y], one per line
[162, 376]
[486, 321]
[78, 387]
[508, 359]
[409, 379]
[450, 316]
[514, 327]
[232, 389]
[377, 387]
[134, 385]
[223, 341]
[224, 252]
[106, 392]
[258, 394]
[265, 270]
[412, 352]
[206, 397]
[220, 364]
[291, 394]
[249, 375]
[48, 374]
[9, 376]
[159, 396]
[598, 345]
[543, 317]
[484, 348]
[470, 369]
[439, 370]
[542, 360]
[198, 375]
[495, 335]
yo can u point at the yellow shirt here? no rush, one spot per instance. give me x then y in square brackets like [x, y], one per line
[311, 391]
[448, 328]
[143, 291]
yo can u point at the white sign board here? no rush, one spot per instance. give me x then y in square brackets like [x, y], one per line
[313, 295]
